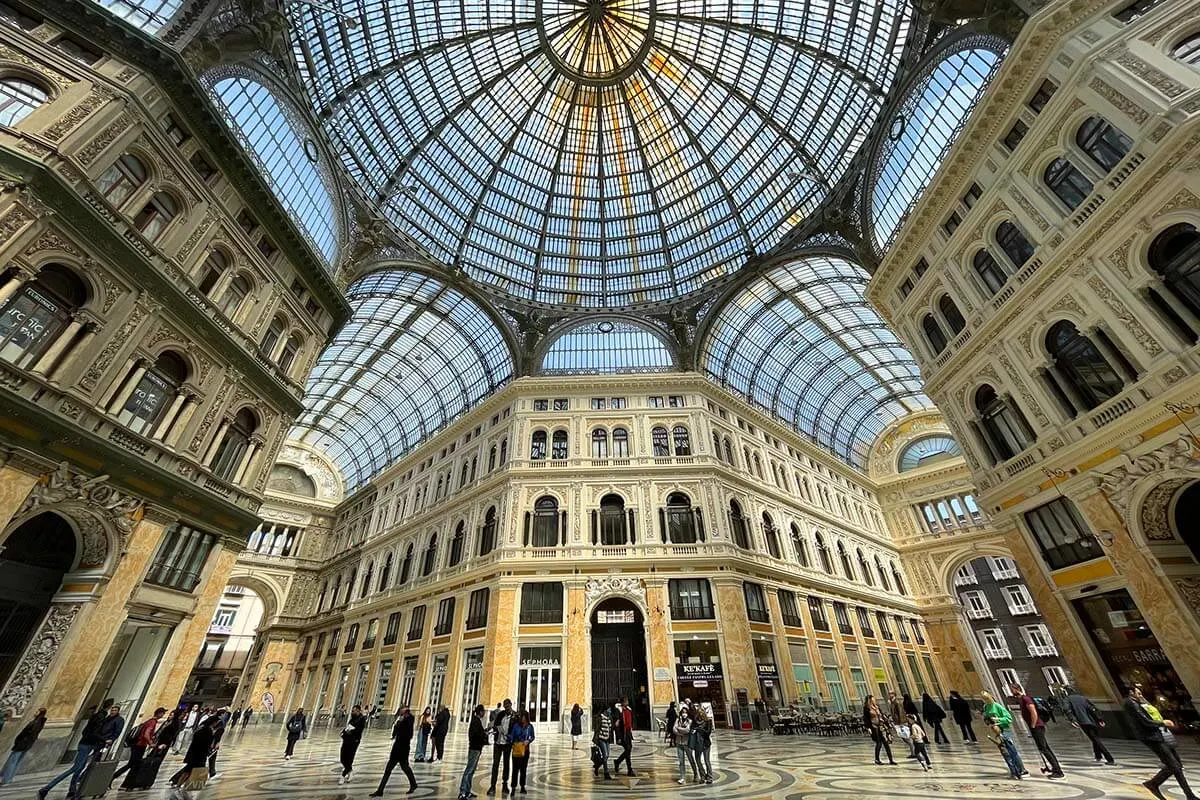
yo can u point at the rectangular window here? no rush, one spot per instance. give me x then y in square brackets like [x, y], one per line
[900, 629]
[1019, 601]
[864, 621]
[920, 267]
[371, 635]
[599, 403]
[790, 609]
[1056, 676]
[381, 688]
[816, 610]
[177, 133]
[675, 401]
[906, 288]
[619, 403]
[884, 628]
[205, 170]
[952, 222]
[756, 603]
[416, 624]
[1134, 10]
[691, 598]
[180, 558]
[392, 632]
[1042, 96]
[1008, 677]
[843, 618]
[656, 401]
[972, 196]
[445, 617]
[1061, 534]
[477, 609]
[408, 682]
[351, 638]
[898, 672]
[541, 405]
[562, 404]
[541, 603]
[1015, 134]
[211, 653]
[994, 643]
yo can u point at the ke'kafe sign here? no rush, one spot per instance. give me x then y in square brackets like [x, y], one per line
[699, 672]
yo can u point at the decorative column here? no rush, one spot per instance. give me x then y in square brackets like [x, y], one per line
[275, 667]
[962, 670]
[15, 281]
[738, 656]
[576, 646]
[115, 388]
[500, 646]
[168, 418]
[141, 365]
[45, 365]
[211, 452]
[661, 653]
[190, 404]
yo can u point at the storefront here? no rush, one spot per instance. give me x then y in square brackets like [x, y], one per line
[472, 680]
[769, 690]
[437, 681]
[700, 678]
[539, 682]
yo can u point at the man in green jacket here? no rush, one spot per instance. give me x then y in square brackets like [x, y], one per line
[1000, 719]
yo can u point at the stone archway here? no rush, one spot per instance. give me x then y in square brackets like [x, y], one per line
[1158, 520]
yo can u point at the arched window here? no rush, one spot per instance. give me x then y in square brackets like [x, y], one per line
[1175, 256]
[1187, 50]
[406, 566]
[558, 446]
[1103, 143]
[504, 450]
[951, 314]
[1068, 183]
[234, 295]
[758, 466]
[537, 446]
[927, 450]
[323, 594]
[487, 534]
[599, 443]
[337, 587]
[430, 556]
[492, 458]
[545, 528]
[1014, 243]
[156, 215]
[739, 525]
[462, 474]
[681, 522]
[122, 179]
[385, 573]
[989, 271]
[366, 580]
[18, 99]
[844, 557]
[899, 581]
[474, 467]
[772, 536]
[214, 266]
[800, 545]
[620, 443]
[883, 577]
[36, 314]
[823, 554]
[933, 334]
[350, 585]
[287, 356]
[864, 568]
[234, 444]
[1004, 429]
[717, 445]
[660, 442]
[1081, 365]
[271, 337]
[613, 529]
[729, 451]
[683, 444]
[154, 393]
[457, 544]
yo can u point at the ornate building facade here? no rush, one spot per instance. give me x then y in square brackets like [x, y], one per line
[1047, 284]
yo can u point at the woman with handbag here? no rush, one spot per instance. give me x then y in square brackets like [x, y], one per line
[351, 738]
[521, 735]
[297, 729]
[878, 726]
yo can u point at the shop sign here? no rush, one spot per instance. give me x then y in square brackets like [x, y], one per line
[662, 674]
[767, 671]
[710, 671]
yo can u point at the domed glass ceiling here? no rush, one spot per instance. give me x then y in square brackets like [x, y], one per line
[597, 152]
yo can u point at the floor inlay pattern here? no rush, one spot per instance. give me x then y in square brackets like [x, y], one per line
[748, 767]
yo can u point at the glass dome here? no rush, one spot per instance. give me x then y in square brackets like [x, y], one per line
[597, 153]
[928, 450]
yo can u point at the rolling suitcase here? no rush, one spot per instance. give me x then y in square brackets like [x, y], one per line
[97, 778]
[147, 773]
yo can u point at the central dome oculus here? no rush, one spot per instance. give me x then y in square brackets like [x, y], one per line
[596, 41]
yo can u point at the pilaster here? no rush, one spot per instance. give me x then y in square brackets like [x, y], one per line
[500, 647]
[738, 658]
[14, 489]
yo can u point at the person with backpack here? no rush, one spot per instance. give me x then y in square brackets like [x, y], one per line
[138, 740]
[102, 729]
[501, 746]
[601, 736]
[25, 740]
[1158, 735]
[351, 738]
[297, 729]
[441, 727]
[1084, 715]
[402, 734]
[477, 739]
[424, 728]
[521, 736]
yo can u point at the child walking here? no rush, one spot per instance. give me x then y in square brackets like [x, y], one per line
[920, 742]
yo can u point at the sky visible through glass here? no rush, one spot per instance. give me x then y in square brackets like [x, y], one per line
[149, 15]
[607, 347]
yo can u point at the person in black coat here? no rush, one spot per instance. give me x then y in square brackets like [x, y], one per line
[297, 727]
[351, 738]
[477, 740]
[962, 717]
[25, 740]
[909, 707]
[441, 726]
[402, 734]
[199, 748]
[1158, 736]
[934, 714]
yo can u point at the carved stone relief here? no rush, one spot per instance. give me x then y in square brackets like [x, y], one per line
[598, 588]
[120, 338]
[1125, 316]
[89, 502]
[23, 685]
[1120, 101]
[1156, 508]
[1189, 590]
[1118, 483]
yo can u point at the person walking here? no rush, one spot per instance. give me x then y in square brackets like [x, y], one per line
[876, 723]
[139, 740]
[402, 734]
[477, 739]
[576, 724]
[896, 716]
[200, 747]
[601, 737]
[683, 750]
[521, 735]
[701, 742]
[102, 729]
[20, 746]
[1084, 715]
[1000, 720]
[297, 729]
[623, 730]
[237, 716]
[1037, 727]
[1157, 734]
[246, 717]
[920, 741]
[190, 721]
[501, 746]
[961, 710]
[934, 714]
[218, 728]
[910, 708]
[351, 738]
[424, 728]
[441, 727]
[672, 715]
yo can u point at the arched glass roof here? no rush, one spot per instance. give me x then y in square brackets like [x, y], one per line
[923, 130]
[597, 152]
[287, 158]
[801, 342]
[607, 347]
[149, 15]
[928, 450]
[414, 356]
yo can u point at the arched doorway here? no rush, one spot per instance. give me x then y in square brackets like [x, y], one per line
[1186, 513]
[619, 657]
[33, 560]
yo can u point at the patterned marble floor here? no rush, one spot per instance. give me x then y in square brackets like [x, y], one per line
[748, 766]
